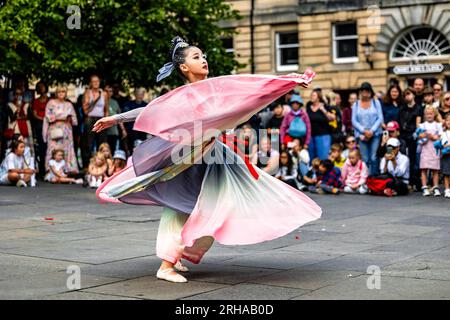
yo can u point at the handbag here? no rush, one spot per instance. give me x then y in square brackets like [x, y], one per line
[56, 134]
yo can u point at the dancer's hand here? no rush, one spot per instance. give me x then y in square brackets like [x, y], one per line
[104, 123]
[304, 85]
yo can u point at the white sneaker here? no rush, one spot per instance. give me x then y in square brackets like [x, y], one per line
[180, 267]
[425, 192]
[21, 183]
[436, 192]
[447, 193]
[348, 189]
[168, 275]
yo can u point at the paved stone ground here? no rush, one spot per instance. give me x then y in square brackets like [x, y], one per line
[408, 238]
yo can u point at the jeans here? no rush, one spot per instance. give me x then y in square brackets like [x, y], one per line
[319, 146]
[368, 151]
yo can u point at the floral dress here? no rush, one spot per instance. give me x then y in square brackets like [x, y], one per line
[56, 111]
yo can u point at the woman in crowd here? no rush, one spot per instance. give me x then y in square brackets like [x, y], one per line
[367, 117]
[19, 115]
[57, 129]
[392, 102]
[319, 116]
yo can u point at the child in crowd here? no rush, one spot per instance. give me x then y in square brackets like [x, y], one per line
[119, 160]
[445, 160]
[354, 174]
[429, 158]
[330, 179]
[56, 172]
[97, 170]
[106, 150]
[350, 144]
[335, 155]
[311, 177]
[14, 170]
[287, 171]
[300, 156]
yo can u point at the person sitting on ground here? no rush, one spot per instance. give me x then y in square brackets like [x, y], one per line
[97, 170]
[336, 155]
[393, 131]
[57, 168]
[355, 173]
[311, 177]
[106, 150]
[119, 160]
[350, 144]
[266, 158]
[14, 170]
[396, 164]
[287, 171]
[330, 180]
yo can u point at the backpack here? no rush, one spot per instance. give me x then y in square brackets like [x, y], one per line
[377, 184]
[297, 128]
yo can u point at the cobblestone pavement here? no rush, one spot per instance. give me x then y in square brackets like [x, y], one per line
[364, 247]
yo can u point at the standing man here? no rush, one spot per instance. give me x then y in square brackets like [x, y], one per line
[95, 107]
[418, 87]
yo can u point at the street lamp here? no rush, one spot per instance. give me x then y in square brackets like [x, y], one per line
[368, 50]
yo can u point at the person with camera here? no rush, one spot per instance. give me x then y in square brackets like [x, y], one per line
[396, 165]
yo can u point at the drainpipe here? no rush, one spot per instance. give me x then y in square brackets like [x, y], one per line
[252, 45]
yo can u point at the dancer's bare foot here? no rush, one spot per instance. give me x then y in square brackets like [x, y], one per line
[167, 272]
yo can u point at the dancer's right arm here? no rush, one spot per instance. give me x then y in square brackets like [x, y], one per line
[107, 122]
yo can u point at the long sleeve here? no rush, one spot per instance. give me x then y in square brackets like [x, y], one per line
[364, 173]
[45, 123]
[355, 123]
[283, 128]
[380, 118]
[308, 127]
[128, 116]
[73, 114]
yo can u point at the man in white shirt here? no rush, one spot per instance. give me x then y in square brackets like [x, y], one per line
[396, 164]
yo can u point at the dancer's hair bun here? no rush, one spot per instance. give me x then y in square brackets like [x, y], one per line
[178, 56]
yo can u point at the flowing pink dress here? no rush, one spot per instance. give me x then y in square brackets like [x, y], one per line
[217, 190]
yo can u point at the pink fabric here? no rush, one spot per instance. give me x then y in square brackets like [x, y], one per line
[219, 103]
[354, 174]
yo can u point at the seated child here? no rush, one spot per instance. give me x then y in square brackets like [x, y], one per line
[310, 178]
[287, 171]
[336, 156]
[97, 170]
[354, 173]
[119, 159]
[330, 179]
[56, 172]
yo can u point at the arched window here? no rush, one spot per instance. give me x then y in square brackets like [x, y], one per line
[420, 43]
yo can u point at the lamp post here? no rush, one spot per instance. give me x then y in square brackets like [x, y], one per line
[368, 50]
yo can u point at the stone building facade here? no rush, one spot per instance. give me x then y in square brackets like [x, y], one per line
[409, 39]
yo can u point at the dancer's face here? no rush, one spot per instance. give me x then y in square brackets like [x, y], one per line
[195, 64]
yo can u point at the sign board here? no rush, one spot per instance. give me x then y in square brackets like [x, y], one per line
[419, 68]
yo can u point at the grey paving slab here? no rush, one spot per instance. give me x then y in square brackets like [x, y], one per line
[226, 274]
[280, 259]
[16, 267]
[125, 269]
[40, 285]
[249, 291]
[150, 287]
[81, 295]
[420, 269]
[391, 288]
[304, 279]
[331, 247]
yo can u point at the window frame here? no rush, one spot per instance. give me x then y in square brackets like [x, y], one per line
[335, 39]
[278, 47]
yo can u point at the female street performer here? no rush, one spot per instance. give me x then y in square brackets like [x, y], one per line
[208, 192]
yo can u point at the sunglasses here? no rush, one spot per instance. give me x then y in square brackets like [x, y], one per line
[446, 99]
[351, 141]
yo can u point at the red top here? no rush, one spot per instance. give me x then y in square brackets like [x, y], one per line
[39, 106]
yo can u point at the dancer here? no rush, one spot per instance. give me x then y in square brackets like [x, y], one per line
[218, 195]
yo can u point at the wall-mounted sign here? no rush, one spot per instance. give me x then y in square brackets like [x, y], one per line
[419, 68]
